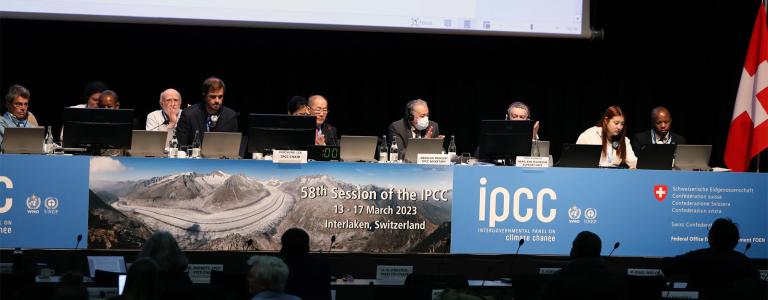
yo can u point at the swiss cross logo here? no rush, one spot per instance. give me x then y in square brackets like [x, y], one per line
[660, 192]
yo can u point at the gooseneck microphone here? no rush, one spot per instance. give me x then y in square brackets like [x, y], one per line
[166, 122]
[615, 246]
[333, 240]
[519, 244]
[79, 238]
[746, 248]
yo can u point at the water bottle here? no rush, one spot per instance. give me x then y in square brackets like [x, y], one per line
[383, 149]
[393, 152]
[173, 147]
[48, 147]
[452, 148]
[196, 145]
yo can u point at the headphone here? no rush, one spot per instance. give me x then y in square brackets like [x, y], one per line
[615, 144]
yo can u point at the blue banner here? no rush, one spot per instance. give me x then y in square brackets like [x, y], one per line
[651, 213]
[43, 201]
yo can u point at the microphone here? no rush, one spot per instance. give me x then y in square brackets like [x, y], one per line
[79, 238]
[615, 246]
[333, 240]
[519, 244]
[749, 245]
[166, 122]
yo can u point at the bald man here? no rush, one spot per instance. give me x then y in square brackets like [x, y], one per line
[325, 134]
[165, 118]
[661, 120]
[108, 99]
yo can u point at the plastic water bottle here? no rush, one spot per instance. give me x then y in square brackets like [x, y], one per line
[196, 145]
[393, 152]
[452, 147]
[173, 147]
[49, 146]
[383, 156]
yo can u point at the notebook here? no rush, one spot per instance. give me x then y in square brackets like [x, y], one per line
[221, 145]
[358, 148]
[580, 156]
[148, 143]
[692, 157]
[24, 140]
[424, 146]
[655, 156]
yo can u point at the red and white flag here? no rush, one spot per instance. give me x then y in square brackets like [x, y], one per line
[748, 135]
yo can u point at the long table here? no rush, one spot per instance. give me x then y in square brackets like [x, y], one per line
[117, 202]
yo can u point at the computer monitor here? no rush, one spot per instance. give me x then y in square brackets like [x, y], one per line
[97, 128]
[505, 139]
[282, 132]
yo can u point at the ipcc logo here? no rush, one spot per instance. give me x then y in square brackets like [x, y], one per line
[8, 200]
[494, 217]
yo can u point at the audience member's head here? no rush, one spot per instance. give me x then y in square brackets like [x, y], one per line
[417, 113]
[213, 94]
[518, 111]
[723, 235]
[108, 99]
[17, 102]
[299, 106]
[319, 107]
[164, 250]
[142, 279]
[586, 245]
[92, 92]
[170, 101]
[295, 242]
[72, 287]
[267, 273]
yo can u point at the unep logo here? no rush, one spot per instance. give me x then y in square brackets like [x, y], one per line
[8, 200]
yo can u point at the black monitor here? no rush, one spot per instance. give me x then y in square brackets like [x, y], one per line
[97, 128]
[282, 132]
[505, 139]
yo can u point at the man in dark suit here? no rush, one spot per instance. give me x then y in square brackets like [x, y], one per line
[661, 120]
[415, 125]
[325, 134]
[208, 116]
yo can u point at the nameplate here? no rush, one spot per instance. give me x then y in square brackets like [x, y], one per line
[548, 271]
[433, 159]
[437, 294]
[532, 162]
[644, 272]
[393, 273]
[289, 157]
[201, 273]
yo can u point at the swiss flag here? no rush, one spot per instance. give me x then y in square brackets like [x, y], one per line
[748, 135]
[660, 192]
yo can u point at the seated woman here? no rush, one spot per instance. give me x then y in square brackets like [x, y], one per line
[609, 132]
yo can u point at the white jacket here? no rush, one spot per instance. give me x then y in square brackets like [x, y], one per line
[608, 157]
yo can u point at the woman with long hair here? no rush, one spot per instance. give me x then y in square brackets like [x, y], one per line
[611, 134]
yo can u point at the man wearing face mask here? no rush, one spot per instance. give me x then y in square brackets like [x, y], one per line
[415, 125]
[661, 120]
[208, 116]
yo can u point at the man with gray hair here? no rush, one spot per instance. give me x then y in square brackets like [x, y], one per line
[267, 277]
[165, 118]
[519, 111]
[414, 125]
[16, 111]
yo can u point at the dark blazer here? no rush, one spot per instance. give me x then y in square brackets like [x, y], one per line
[400, 131]
[644, 138]
[710, 268]
[195, 118]
[330, 133]
[308, 277]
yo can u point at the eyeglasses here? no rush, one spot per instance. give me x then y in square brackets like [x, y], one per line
[320, 110]
[20, 104]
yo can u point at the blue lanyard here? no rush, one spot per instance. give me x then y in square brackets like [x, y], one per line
[16, 122]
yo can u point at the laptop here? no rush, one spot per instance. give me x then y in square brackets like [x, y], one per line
[580, 156]
[121, 283]
[358, 148]
[655, 156]
[148, 143]
[692, 157]
[423, 146]
[540, 148]
[24, 140]
[114, 264]
[221, 145]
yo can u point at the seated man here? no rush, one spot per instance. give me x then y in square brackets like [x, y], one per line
[266, 278]
[17, 113]
[661, 120]
[414, 125]
[518, 111]
[91, 94]
[299, 106]
[208, 116]
[325, 134]
[308, 276]
[165, 118]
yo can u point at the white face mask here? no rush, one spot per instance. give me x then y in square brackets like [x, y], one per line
[422, 123]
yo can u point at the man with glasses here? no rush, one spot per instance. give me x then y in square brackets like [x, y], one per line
[325, 134]
[17, 111]
[208, 116]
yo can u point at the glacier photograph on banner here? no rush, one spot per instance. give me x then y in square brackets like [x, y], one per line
[248, 204]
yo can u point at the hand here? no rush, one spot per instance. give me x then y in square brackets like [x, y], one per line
[173, 116]
[430, 131]
[320, 140]
[442, 136]
[536, 130]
